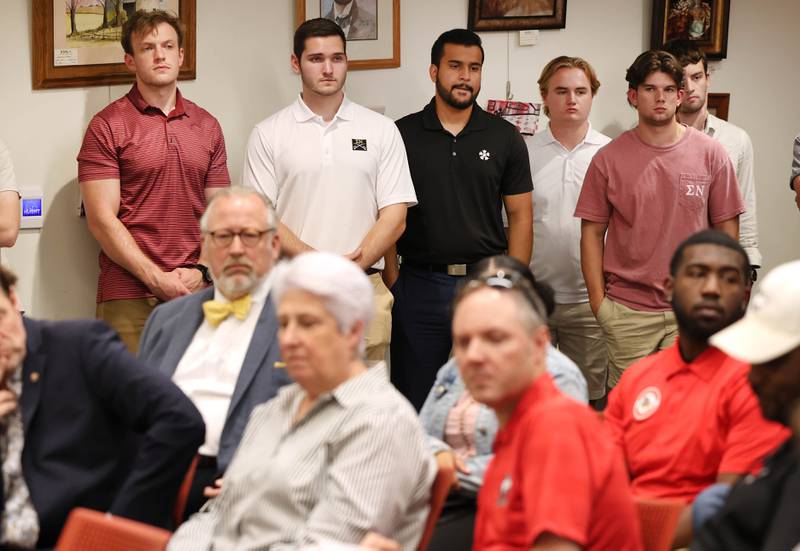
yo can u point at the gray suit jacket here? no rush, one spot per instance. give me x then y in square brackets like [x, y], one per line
[168, 333]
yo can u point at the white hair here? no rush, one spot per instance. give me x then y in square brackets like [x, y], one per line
[342, 286]
[237, 191]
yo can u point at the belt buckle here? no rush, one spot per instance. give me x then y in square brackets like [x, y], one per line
[457, 269]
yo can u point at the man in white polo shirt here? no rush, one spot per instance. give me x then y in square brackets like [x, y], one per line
[559, 157]
[9, 200]
[336, 172]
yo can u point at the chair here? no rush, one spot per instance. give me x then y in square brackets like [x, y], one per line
[445, 478]
[183, 494]
[658, 519]
[88, 530]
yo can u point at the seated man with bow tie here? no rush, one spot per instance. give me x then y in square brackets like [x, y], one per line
[219, 345]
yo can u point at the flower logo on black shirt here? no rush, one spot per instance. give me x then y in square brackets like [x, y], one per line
[484, 155]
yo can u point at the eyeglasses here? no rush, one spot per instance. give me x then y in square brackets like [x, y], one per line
[249, 237]
[508, 281]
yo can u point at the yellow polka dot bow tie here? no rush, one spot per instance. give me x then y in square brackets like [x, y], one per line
[216, 312]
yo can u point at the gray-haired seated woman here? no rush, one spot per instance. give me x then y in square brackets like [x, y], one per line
[461, 431]
[334, 456]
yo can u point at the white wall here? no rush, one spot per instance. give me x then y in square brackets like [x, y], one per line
[243, 76]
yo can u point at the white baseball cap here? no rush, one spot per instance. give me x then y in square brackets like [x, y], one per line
[771, 326]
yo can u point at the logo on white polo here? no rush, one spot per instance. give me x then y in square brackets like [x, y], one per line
[484, 155]
[646, 403]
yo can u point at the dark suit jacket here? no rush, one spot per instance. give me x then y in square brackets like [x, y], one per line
[101, 430]
[168, 333]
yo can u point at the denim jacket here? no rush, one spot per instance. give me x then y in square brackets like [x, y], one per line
[446, 391]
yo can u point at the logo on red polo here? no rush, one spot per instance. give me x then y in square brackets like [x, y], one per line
[646, 403]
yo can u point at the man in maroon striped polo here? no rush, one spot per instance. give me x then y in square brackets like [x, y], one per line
[148, 163]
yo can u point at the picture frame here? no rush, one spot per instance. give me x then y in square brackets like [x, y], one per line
[702, 21]
[718, 104]
[378, 46]
[515, 15]
[56, 66]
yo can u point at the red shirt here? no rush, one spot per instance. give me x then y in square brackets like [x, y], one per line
[163, 163]
[680, 425]
[652, 198]
[556, 470]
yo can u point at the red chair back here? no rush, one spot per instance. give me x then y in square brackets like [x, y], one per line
[445, 478]
[88, 530]
[658, 519]
[183, 494]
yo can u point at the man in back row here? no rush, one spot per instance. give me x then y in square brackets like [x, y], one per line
[336, 171]
[466, 165]
[9, 200]
[559, 157]
[148, 163]
[651, 187]
[693, 111]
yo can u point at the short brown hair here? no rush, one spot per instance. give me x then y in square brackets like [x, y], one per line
[686, 52]
[654, 61]
[320, 27]
[7, 280]
[566, 62]
[143, 22]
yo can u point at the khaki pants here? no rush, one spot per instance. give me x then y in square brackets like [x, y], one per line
[632, 334]
[127, 317]
[379, 333]
[578, 335]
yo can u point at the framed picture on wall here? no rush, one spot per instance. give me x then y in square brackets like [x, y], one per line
[718, 105]
[77, 42]
[510, 15]
[702, 21]
[372, 28]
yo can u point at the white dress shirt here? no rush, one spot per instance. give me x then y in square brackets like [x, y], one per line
[740, 149]
[209, 369]
[557, 179]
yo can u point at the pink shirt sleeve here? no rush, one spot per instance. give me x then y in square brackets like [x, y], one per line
[593, 202]
[217, 175]
[725, 198]
[97, 159]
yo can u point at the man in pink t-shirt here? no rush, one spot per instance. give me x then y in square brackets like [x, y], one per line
[650, 188]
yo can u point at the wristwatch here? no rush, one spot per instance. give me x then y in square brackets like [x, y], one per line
[204, 271]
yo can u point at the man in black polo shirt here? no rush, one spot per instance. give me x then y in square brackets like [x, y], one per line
[466, 164]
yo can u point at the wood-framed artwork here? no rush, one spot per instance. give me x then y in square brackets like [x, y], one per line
[372, 28]
[704, 22]
[77, 42]
[718, 104]
[511, 15]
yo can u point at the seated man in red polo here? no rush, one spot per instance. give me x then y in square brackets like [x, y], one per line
[556, 481]
[686, 417]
